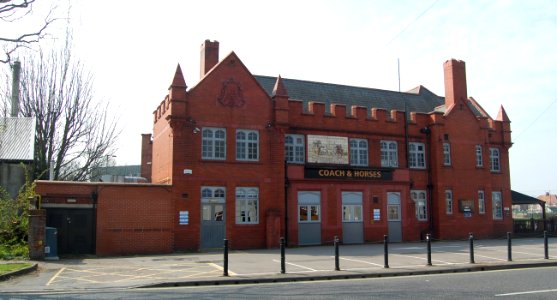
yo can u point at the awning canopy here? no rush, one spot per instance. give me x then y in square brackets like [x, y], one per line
[519, 198]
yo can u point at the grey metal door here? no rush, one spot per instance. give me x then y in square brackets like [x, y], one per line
[309, 218]
[213, 217]
[352, 218]
[394, 217]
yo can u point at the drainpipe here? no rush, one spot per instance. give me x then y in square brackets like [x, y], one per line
[285, 203]
[427, 131]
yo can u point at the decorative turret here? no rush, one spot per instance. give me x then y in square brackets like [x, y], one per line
[280, 96]
[177, 90]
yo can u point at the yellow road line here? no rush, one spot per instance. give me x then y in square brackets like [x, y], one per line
[55, 275]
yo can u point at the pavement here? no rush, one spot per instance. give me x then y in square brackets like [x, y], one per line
[264, 265]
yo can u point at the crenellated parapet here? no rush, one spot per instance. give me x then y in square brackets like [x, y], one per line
[355, 118]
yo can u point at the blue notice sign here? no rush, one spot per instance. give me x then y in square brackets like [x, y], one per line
[184, 217]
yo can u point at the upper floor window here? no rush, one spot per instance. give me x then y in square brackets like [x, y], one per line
[449, 202]
[294, 148]
[358, 152]
[479, 156]
[389, 154]
[247, 145]
[481, 202]
[416, 155]
[213, 143]
[497, 204]
[419, 198]
[446, 154]
[247, 203]
[494, 159]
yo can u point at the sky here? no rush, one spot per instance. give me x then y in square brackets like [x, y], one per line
[510, 49]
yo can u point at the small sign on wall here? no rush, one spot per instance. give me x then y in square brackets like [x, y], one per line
[184, 217]
[376, 214]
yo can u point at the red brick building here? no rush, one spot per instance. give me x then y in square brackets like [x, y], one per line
[253, 158]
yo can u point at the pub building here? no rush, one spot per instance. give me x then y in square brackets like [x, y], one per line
[255, 158]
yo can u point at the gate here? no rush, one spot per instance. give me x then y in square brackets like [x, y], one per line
[75, 229]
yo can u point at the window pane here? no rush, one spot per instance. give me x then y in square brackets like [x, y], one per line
[303, 213]
[315, 213]
[206, 212]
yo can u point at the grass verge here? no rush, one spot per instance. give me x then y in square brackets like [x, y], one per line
[10, 267]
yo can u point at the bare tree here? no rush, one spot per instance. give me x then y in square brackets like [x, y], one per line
[12, 11]
[73, 131]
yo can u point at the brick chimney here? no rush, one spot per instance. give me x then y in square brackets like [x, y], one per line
[146, 156]
[455, 82]
[209, 56]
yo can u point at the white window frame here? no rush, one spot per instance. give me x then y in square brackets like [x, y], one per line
[446, 154]
[479, 156]
[358, 152]
[420, 200]
[247, 205]
[389, 154]
[294, 148]
[481, 202]
[497, 205]
[352, 213]
[212, 146]
[309, 208]
[211, 194]
[449, 202]
[495, 159]
[247, 145]
[416, 155]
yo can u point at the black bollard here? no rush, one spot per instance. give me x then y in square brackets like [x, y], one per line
[509, 247]
[337, 264]
[545, 245]
[428, 238]
[225, 269]
[282, 256]
[471, 239]
[386, 250]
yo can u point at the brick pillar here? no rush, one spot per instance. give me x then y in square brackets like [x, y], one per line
[37, 223]
[273, 229]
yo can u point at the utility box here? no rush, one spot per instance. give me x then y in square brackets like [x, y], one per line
[51, 243]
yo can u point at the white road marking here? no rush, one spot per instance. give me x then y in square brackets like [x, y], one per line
[362, 261]
[526, 293]
[295, 265]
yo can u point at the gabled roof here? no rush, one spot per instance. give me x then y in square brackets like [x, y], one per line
[519, 198]
[418, 100]
[17, 139]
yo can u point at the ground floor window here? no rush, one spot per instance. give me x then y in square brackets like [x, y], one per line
[309, 213]
[351, 213]
[481, 202]
[247, 204]
[497, 203]
[419, 198]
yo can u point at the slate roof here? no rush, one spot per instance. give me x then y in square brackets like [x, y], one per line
[17, 139]
[418, 99]
[519, 198]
